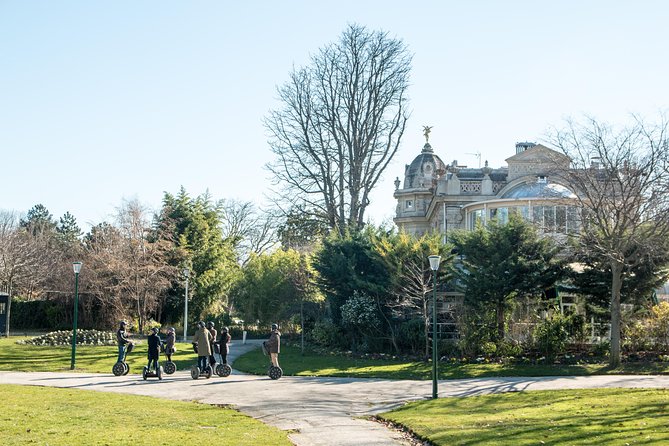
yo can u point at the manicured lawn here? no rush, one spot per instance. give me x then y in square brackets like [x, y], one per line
[566, 417]
[96, 359]
[100, 359]
[293, 363]
[55, 417]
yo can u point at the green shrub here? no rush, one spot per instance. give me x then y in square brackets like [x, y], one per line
[411, 336]
[551, 336]
[489, 348]
[327, 334]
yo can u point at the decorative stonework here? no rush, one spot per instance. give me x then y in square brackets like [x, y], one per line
[470, 187]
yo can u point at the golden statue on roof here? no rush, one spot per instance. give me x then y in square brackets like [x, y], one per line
[426, 132]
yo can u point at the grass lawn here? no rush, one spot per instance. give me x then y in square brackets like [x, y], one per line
[565, 417]
[54, 417]
[96, 359]
[100, 359]
[293, 363]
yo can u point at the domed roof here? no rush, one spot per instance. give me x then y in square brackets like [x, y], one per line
[423, 169]
[539, 190]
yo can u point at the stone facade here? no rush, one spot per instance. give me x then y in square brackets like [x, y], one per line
[436, 196]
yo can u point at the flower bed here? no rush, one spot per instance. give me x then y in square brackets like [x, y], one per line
[64, 337]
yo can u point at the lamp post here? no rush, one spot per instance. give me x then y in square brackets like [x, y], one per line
[434, 266]
[186, 273]
[77, 268]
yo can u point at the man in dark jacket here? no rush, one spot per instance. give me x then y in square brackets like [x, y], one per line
[154, 349]
[122, 340]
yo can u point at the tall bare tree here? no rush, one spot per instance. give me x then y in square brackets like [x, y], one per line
[252, 230]
[340, 124]
[25, 258]
[621, 180]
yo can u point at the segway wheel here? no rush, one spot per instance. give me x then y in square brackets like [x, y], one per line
[118, 369]
[275, 372]
[170, 367]
[160, 373]
[126, 368]
[145, 371]
[208, 372]
[194, 372]
[223, 370]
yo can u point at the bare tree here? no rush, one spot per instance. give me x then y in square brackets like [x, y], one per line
[142, 273]
[251, 230]
[24, 259]
[621, 180]
[340, 125]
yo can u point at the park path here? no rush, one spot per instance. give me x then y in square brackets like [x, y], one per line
[319, 411]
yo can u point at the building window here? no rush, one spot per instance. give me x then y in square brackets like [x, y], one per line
[409, 204]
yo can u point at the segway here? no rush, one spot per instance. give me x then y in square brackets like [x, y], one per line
[170, 367]
[223, 370]
[195, 371]
[273, 372]
[121, 367]
[149, 373]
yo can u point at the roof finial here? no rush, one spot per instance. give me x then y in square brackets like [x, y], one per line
[426, 132]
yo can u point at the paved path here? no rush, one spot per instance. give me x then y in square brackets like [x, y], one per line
[320, 411]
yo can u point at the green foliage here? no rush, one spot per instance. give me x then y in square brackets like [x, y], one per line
[411, 335]
[346, 263]
[489, 348]
[194, 224]
[504, 262]
[327, 334]
[551, 335]
[272, 286]
[650, 332]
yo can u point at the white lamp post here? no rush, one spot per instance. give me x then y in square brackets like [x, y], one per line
[186, 273]
[434, 266]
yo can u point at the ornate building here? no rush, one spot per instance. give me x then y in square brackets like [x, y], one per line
[436, 196]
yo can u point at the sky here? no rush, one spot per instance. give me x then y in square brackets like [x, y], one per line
[102, 102]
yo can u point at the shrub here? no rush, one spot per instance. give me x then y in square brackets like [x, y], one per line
[411, 335]
[327, 334]
[489, 348]
[64, 337]
[551, 336]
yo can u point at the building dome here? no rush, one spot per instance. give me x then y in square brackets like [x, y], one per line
[539, 190]
[424, 169]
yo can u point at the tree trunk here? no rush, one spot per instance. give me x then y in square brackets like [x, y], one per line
[616, 284]
[500, 322]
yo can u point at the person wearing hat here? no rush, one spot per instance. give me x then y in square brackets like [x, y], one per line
[274, 345]
[154, 349]
[170, 343]
[122, 340]
[202, 339]
[223, 345]
[212, 344]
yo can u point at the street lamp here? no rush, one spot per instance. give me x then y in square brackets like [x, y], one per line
[434, 266]
[77, 268]
[186, 273]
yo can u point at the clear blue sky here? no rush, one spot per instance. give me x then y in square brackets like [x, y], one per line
[101, 101]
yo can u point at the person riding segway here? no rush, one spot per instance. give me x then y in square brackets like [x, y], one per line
[153, 356]
[273, 346]
[223, 369]
[212, 345]
[202, 346]
[170, 348]
[124, 347]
